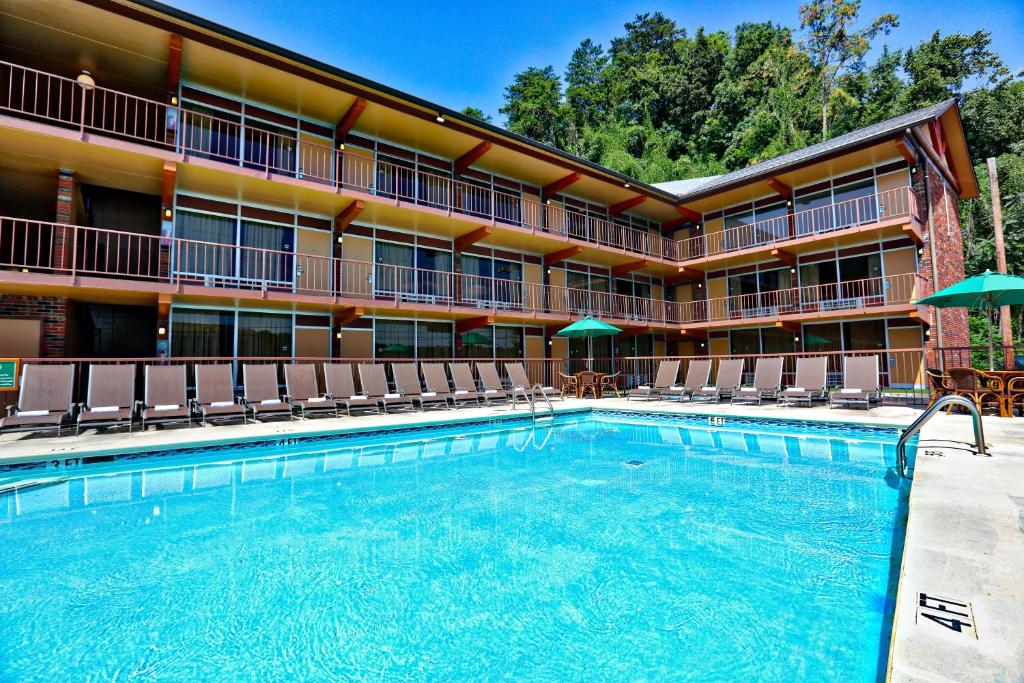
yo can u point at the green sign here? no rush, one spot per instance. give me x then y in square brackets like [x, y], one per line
[8, 373]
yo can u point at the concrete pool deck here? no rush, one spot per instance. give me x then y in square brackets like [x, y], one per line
[964, 543]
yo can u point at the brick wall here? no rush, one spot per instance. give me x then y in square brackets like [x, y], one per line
[52, 311]
[944, 245]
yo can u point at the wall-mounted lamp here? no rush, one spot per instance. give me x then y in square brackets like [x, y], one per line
[549, 271]
[789, 202]
[550, 342]
[24, 270]
[702, 345]
[174, 100]
[439, 119]
[792, 270]
[337, 335]
[341, 146]
[161, 331]
[626, 185]
[86, 80]
[700, 285]
[340, 239]
[920, 251]
[168, 213]
[796, 340]
[548, 202]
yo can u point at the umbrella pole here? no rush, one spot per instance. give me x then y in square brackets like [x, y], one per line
[590, 352]
[988, 310]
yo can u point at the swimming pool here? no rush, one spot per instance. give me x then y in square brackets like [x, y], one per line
[607, 546]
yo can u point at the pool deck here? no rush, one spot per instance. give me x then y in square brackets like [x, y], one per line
[965, 535]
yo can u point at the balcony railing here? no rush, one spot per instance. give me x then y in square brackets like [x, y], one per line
[62, 249]
[852, 295]
[897, 203]
[63, 101]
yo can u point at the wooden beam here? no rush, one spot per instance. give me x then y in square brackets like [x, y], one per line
[780, 187]
[349, 214]
[173, 66]
[784, 256]
[788, 326]
[689, 214]
[471, 237]
[557, 186]
[616, 209]
[908, 152]
[349, 119]
[467, 324]
[561, 255]
[471, 157]
[629, 267]
[913, 231]
[347, 316]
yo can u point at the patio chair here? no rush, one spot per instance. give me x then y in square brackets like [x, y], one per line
[437, 381]
[44, 399]
[341, 388]
[730, 375]
[164, 396]
[517, 375]
[587, 382]
[490, 380]
[981, 388]
[940, 384]
[215, 395]
[697, 376]
[110, 399]
[261, 393]
[668, 370]
[860, 383]
[609, 383]
[767, 382]
[375, 386]
[462, 378]
[407, 381]
[570, 385]
[303, 394]
[1014, 395]
[809, 384]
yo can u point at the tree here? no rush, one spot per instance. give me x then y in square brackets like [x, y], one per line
[584, 86]
[834, 45]
[533, 105]
[477, 113]
[938, 68]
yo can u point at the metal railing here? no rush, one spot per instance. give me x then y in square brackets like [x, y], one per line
[874, 208]
[55, 99]
[916, 425]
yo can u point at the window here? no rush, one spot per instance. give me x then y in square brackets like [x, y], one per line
[772, 222]
[508, 342]
[862, 335]
[200, 255]
[856, 204]
[744, 342]
[267, 255]
[394, 338]
[478, 343]
[210, 133]
[434, 340]
[269, 147]
[432, 277]
[394, 270]
[823, 337]
[262, 335]
[202, 333]
[813, 213]
[774, 340]
[738, 232]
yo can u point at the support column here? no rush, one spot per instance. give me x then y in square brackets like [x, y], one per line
[63, 238]
[170, 174]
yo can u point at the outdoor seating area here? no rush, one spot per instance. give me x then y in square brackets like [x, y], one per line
[997, 391]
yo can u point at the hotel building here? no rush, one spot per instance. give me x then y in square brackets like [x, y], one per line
[170, 187]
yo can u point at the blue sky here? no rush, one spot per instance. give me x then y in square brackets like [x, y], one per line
[462, 52]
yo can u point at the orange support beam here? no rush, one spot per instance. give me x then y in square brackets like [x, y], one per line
[689, 214]
[629, 267]
[349, 214]
[349, 119]
[780, 187]
[557, 186]
[471, 157]
[471, 237]
[788, 326]
[616, 209]
[784, 256]
[467, 324]
[908, 152]
[561, 255]
[347, 316]
[913, 231]
[173, 66]
[168, 177]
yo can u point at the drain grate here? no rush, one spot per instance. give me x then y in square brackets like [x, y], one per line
[634, 463]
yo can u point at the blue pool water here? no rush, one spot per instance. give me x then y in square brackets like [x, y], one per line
[739, 552]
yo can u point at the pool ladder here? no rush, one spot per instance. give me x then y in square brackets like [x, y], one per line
[531, 399]
[916, 425]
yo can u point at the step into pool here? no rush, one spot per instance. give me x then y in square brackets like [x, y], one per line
[601, 546]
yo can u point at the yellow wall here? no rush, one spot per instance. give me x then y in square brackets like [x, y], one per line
[899, 261]
[534, 347]
[719, 347]
[713, 232]
[312, 342]
[357, 343]
[557, 302]
[559, 347]
[355, 277]
[717, 291]
[908, 368]
[892, 202]
[316, 272]
[659, 348]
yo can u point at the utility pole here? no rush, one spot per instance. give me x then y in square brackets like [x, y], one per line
[1005, 326]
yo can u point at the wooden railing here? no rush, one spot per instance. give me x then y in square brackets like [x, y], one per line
[874, 208]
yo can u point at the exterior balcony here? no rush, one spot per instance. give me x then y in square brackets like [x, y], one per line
[892, 295]
[287, 170]
[892, 213]
[92, 264]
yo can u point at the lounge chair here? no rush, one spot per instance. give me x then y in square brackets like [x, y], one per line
[810, 383]
[375, 386]
[663, 381]
[407, 381]
[110, 399]
[462, 378]
[767, 382]
[730, 374]
[860, 383]
[517, 375]
[342, 389]
[44, 400]
[165, 399]
[490, 380]
[215, 395]
[306, 399]
[261, 393]
[697, 376]
[437, 381]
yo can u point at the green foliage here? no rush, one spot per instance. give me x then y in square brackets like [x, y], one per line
[476, 113]
[533, 105]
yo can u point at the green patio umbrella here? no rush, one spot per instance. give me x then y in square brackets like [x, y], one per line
[588, 328]
[987, 290]
[475, 338]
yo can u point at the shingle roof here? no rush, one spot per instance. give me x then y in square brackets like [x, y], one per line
[693, 187]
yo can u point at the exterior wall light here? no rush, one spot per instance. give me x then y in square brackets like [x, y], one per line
[440, 119]
[168, 213]
[161, 331]
[174, 100]
[626, 186]
[86, 80]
